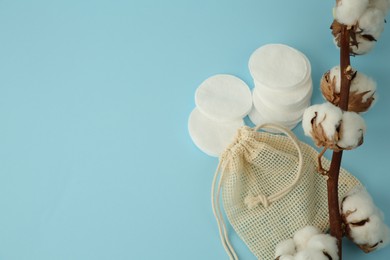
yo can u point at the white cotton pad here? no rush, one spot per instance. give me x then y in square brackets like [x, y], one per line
[210, 136]
[294, 100]
[224, 98]
[279, 66]
[277, 114]
[257, 119]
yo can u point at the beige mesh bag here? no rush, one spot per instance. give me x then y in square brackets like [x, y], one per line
[270, 189]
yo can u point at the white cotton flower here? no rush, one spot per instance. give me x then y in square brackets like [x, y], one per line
[286, 257]
[352, 129]
[302, 236]
[321, 123]
[311, 254]
[348, 11]
[329, 117]
[325, 243]
[308, 115]
[362, 83]
[372, 22]
[383, 5]
[363, 45]
[285, 247]
[374, 234]
[362, 92]
[357, 205]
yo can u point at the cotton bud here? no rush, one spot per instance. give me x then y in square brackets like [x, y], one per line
[348, 11]
[357, 205]
[325, 243]
[369, 234]
[311, 254]
[352, 130]
[321, 122]
[285, 247]
[372, 23]
[362, 93]
[302, 236]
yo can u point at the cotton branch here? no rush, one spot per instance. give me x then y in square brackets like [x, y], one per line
[333, 173]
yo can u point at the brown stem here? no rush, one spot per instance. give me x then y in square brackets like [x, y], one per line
[333, 197]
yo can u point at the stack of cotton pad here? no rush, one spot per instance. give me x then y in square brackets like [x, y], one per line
[283, 85]
[222, 101]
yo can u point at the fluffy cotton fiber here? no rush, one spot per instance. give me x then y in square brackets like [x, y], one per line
[374, 234]
[383, 5]
[357, 205]
[348, 11]
[352, 130]
[302, 236]
[286, 247]
[311, 254]
[321, 122]
[325, 243]
[334, 74]
[372, 22]
[360, 83]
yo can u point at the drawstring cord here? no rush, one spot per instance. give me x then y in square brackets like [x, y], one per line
[215, 201]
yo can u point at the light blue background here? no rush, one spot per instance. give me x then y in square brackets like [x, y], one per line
[95, 158]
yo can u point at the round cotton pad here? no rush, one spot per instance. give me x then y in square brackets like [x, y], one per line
[257, 119]
[281, 116]
[224, 98]
[279, 66]
[286, 99]
[210, 136]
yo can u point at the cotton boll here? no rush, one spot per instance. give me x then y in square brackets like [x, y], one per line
[357, 205]
[329, 117]
[362, 83]
[348, 11]
[311, 254]
[302, 236]
[325, 243]
[383, 5]
[372, 22]
[363, 45]
[362, 94]
[285, 247]
[321, 122]
[352, 129]
[308, 115]
[372, 235]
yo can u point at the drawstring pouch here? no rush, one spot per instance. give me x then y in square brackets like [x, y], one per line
[270, 189]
